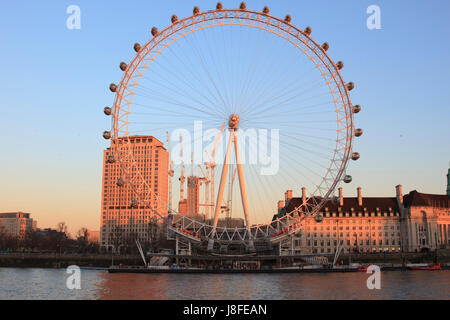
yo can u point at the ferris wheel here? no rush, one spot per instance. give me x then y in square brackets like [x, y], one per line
[273, 112]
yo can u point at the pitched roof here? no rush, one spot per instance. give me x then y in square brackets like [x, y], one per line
[369, 203]
[415, 198]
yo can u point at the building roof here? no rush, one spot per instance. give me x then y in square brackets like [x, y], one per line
[415, 198]
[369, 203]
[372, 204]
[18, 214]
[133, 138]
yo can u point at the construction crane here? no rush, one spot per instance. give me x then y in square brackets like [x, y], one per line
[207, 179]
[211, 166]
[171, 173]
[182, 177]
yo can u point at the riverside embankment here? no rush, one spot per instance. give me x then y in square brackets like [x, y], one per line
[35, 260]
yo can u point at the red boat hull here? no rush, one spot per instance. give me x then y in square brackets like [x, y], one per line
[429, 268]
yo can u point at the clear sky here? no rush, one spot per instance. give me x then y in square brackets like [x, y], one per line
[54, 85]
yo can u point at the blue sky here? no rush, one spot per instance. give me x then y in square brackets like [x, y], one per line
[54, 85]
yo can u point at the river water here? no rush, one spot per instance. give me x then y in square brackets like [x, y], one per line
[51, 284]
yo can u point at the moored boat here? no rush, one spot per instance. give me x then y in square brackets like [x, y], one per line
[430, 267]
[363, 269]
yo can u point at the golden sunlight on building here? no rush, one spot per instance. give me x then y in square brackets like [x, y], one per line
[93, 236]
[16, 224]
[124, 215]
[411, 223]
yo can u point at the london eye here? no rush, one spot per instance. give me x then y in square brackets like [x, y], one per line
[254, 105]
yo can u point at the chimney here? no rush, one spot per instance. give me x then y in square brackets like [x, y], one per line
[341, 197]
[399, 193]
[303, 195]
[288, 195]
[360, 200]
[280, 205]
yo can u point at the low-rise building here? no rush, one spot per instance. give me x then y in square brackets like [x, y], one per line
[93, 236]
[425, 220]
[16, 224]
[405, 223]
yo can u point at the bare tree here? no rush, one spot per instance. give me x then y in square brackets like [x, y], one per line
[82, 239]
[31, 240]
[62, 228]
[61, 239]
[116, 237]
[130, 241]
[83, 234]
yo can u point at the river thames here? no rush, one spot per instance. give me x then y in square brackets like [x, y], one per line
[50, 284]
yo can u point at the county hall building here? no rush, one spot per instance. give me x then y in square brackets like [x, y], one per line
[412, 222]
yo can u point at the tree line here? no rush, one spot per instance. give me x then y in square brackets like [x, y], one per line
[49, 241]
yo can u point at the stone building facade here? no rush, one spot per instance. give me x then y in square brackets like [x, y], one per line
[425, 221]
[405, 223]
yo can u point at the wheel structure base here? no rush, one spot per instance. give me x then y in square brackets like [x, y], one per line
[286, 247]
[183, 246]
[210, 246]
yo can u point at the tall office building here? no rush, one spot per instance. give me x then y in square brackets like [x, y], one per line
[183, 207]
[130, 202]
[193, 196]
